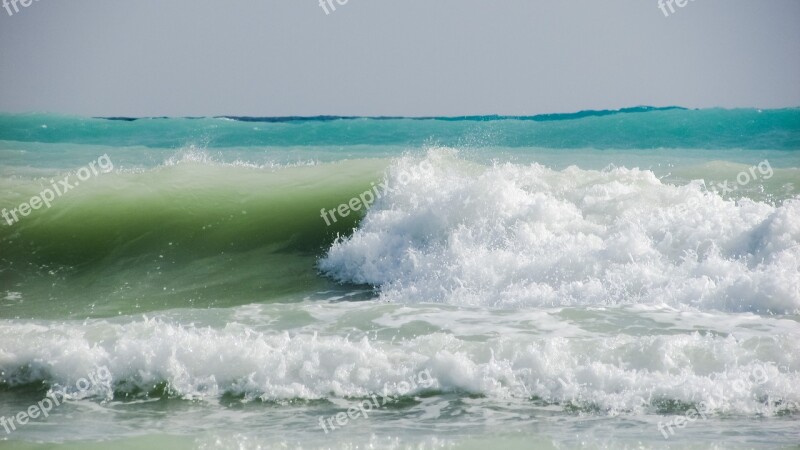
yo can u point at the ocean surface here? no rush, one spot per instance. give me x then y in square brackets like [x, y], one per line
[604, 279]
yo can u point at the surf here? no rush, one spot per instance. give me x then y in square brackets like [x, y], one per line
[514, 236]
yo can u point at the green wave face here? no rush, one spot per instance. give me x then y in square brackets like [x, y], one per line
[178, 236]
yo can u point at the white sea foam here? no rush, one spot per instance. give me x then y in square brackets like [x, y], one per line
[514, 236]
[754, 372]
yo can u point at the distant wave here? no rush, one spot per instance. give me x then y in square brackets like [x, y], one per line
[474, 118]
[629, 128]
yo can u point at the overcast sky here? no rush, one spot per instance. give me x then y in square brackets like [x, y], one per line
[394, 57]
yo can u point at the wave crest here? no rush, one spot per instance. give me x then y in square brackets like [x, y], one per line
[511, 236]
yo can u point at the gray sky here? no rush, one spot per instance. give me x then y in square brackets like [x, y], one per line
[400, 57]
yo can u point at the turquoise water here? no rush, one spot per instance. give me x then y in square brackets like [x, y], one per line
[640, 129]
[558, 281]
